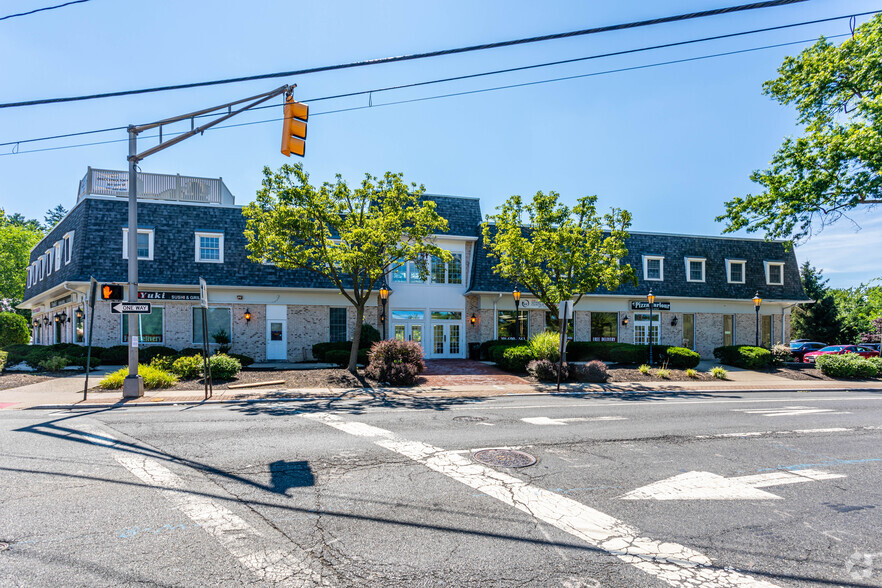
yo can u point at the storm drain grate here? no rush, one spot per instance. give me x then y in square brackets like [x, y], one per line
[506, 458]
[470, 419]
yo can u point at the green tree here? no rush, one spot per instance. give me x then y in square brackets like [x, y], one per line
[352, 237]
[54, 215]
[836, 165]
[818, 320]
[17, 238]
[13, 329]
[858, 307]
[557, 252]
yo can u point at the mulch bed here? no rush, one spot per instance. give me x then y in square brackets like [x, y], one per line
[624, 374]
[324, 378]
[17, 379]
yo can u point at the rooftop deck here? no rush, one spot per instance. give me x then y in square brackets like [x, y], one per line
[172, 188]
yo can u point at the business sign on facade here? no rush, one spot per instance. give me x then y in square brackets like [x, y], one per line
[168, 296]
[644, 305]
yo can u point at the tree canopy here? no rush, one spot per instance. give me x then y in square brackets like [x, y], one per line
[835, 167]
[556, 252]
[17, 237]
[352, 237]
[817, 321]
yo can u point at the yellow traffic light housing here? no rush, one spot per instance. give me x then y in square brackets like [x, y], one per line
[294, 127]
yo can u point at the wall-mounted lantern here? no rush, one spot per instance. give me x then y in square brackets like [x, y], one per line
[473, 319]
[674, 322]
[625, 322]
[247, 315]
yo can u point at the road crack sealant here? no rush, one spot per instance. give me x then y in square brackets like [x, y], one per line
[672, 563]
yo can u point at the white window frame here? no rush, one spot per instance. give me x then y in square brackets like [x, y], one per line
[729, 264]
[38, 270]
[689, 261]
[68, 247]
[48, 262]
[58, 254]
[220, 237]
[768, 265]
[125, 243]
[661, 268]
[28, 284]
[229, 308]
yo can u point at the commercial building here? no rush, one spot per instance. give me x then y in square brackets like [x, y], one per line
[191, 227]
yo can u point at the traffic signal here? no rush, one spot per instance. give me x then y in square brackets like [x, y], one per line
[111, 292]
[294, 127]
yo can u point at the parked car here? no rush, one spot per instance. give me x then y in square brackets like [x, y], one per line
[873, 346]
[861, 350]
[800, 347]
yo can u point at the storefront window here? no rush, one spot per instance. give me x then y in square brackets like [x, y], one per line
[644, 329]
[728, 329]
[509, 328]
[550, 325]
[79, 328]
[766, 331]
[149, 326]
[605, 326]
[446, 315]
[337, 321]
[219, 319]
[399, 274]
[689, 331]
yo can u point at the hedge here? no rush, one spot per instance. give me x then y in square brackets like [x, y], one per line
[3, 356]
[319, 350]
[341, 356]
[515, 359]
[744, 356]
[847, 365]
[484, 349]
[626, 353]
[681, 358]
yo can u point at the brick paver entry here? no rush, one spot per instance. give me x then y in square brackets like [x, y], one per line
[464, 372]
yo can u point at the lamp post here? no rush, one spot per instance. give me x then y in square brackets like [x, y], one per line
[384, 297]
[516, 294]
[651, 299]
[757, 301]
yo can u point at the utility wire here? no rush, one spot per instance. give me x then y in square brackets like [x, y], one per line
[42, 9]
[450, 95]
[499, 71]
[395, 59]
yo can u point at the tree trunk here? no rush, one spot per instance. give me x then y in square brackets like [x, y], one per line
[356, 335]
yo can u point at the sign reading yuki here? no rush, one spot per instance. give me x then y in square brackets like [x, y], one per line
[168, 296]
[130, 308]
[644, 305]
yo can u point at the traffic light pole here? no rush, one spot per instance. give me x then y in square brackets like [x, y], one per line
[133, 385]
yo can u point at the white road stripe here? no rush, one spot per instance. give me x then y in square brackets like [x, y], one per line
[675, 564]
[787, 411]
[564, 421]
[239, 538]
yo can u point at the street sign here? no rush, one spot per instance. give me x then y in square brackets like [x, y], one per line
[565, 309]
[130, 308]
[203, 293]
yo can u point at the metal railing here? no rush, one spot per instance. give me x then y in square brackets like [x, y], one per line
[177, 188]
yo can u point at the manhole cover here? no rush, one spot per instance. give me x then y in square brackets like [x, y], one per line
[507, 458]
[470, 419]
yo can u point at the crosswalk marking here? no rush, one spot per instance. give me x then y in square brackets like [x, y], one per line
[565, 421]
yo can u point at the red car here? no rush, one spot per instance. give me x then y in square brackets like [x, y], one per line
[840, 350]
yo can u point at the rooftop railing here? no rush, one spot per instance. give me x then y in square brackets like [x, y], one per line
[174, 188]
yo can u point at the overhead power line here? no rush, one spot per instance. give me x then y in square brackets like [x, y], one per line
[439, 96]
[411, 57]
[42, 9]
[506, 70]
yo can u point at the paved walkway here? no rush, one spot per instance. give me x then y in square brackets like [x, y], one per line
[443, 373]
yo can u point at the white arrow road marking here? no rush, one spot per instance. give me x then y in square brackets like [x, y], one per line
[549, 421]
[675, 564]
[787, 411]
[239, 538]
[708, 486]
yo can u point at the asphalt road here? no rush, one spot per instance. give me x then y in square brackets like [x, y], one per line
[776, 489]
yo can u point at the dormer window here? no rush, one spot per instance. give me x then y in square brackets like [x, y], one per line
[695, 269]
[653, 267]
[210, 247]
[145, 244]
[735, 270]
[774, 273]
[68, 247]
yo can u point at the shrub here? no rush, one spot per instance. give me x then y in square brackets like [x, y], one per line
[545, 346]
[847, 365]
[625, 353]
[545, 370]
[116, 355]
[146, 354]
[369, 336]
[81, 361]
[593, 371]
[396, 362]
[515, 359]
[584, 350]
[877, 361]
[780, 354]
[691, 373]
[484, 349]
[744, 356]
[153, 378]
[659, 352]
[719, 373]
[187, 366]
[644, 369]
[163, 362]
[319, 350]
[54, 363]
[338, 356]
[663, 373]
[224, 367]
[3, 356]
[37, 355]
[190, 351]
[13, 329]
[245, 360]
[681, 358]
[222, 338]
[18, 352]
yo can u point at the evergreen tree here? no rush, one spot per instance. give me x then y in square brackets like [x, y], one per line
[817, 321]
[53, 215]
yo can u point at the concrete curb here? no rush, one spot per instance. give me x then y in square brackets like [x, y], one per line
[87, 406]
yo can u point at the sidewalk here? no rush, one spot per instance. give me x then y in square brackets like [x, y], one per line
[68, 392]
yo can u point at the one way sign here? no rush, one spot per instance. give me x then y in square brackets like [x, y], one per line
[130, 308]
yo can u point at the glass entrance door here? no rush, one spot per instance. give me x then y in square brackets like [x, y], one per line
[446, 340]
[408, 331]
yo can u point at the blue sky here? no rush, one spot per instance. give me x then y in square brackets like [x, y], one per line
[670, 144]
